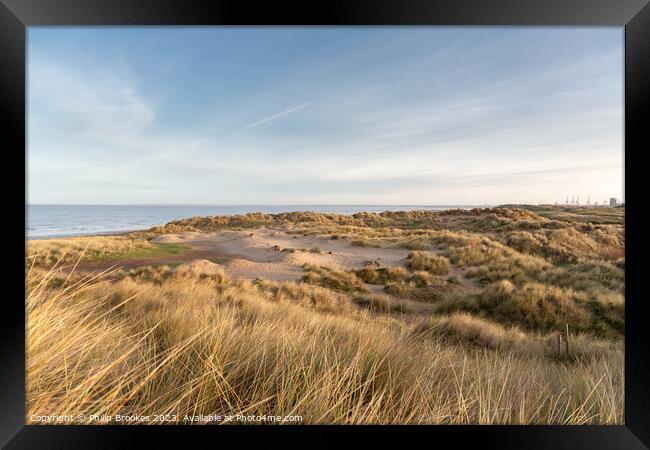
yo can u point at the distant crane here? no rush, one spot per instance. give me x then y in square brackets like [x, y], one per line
[573, 197]
[567, 200]
[589, 200]
[578, 201]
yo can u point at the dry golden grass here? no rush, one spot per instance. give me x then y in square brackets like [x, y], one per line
[582, 214]
[192, 346]
[382, 275]
[467, 329]
[333, 278]
[543, 307]
[537, 305]
[568, 245]
[383, 303]
[422, 288]
[45, 253]
[490, 261]
[436, 265]
[316, 297]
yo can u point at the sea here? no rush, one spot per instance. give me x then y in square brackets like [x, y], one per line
[50, 221]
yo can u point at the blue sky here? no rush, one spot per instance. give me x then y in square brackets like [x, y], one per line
[324, 115]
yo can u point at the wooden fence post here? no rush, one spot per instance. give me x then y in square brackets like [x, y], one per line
[567, 339]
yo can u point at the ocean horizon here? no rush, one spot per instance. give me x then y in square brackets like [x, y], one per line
[45, 221]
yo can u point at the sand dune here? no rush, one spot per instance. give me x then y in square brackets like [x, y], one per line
[271, 253]
[278, 255]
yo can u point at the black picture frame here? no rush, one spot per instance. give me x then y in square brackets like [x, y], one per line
[634, 15]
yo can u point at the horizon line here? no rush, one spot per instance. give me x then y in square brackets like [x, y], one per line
[309, 204]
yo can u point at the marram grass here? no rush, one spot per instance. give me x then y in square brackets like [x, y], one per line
[115, 343]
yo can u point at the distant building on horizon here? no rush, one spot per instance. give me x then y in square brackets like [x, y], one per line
[613, 201]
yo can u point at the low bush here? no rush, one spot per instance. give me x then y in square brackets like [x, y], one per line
[436, 265]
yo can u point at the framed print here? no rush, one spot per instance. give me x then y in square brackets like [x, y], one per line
[357, 217]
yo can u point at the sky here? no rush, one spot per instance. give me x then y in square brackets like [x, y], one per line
[324, 115]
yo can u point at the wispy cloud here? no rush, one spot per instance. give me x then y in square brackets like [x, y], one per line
[275, 116]
[402, 116]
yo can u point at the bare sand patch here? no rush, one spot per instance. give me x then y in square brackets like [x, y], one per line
[273, 254]
[279, 255]
[202, 266]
